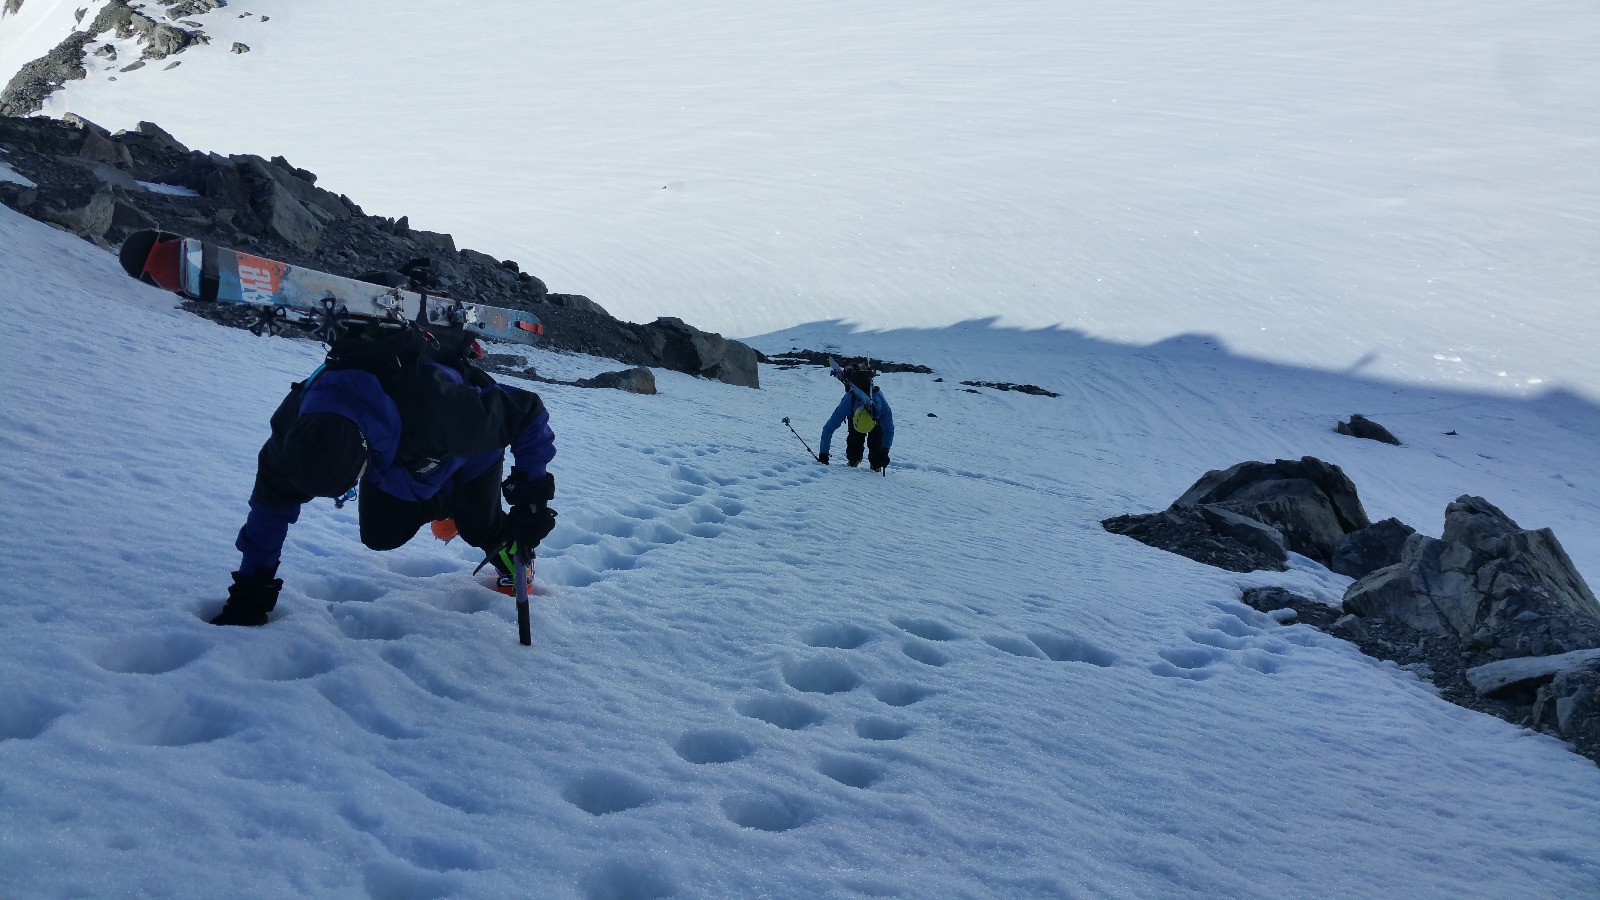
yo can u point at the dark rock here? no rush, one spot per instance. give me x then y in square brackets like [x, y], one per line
[1213, 537]
[577, 301]
[635, 381]
[1362, 427]
[1569, 706]
[1487, 582]
[84, 211]
[240, 48]
[26, 92]
[1019, 388]
[1379, 545]
[1309, 501]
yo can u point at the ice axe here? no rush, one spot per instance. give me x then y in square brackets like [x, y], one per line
[524, 588]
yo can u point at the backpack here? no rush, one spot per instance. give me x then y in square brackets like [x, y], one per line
[861, 420]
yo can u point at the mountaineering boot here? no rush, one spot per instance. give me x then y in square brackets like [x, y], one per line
[445, 529]
[250, 598]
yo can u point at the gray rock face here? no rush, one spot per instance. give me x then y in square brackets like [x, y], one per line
[1362, 427]
[27, 90]
[1499, 588]
[1360, 553]
[1310, 502]
[1570, 706]
[688, 349]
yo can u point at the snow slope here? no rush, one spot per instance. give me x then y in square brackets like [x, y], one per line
[751, 675]
[1214, 231]
[1402, 189]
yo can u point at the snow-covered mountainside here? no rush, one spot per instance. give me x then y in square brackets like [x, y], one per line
[1402, 189]
[1213, 233]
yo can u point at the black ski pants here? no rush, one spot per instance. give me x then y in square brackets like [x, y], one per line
[388, 522]
[854, 440]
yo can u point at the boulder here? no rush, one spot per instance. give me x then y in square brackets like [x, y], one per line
[638, 380]
[1497, 587]
[84, 211]
[688, 349]
[1362, 427]
[1379, 545]
[1310, 502]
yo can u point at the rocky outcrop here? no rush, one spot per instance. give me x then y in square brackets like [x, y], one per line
[99, 185]
[1362, 427]
[1499, 588]
[1252, 515]
[1559, 695]
[37, 80]
[1360, 553]
[26, 92]
[1310, 502]
[1207, 535]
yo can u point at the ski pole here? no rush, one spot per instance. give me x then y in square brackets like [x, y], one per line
[524, 587]
[802, 440]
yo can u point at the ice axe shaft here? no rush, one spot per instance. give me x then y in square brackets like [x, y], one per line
[524, 587]
[802, 440]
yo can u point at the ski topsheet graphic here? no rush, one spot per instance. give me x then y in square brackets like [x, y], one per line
[286, 294]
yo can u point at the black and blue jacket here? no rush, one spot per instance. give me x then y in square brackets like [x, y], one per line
[848, 404]
[427, 427]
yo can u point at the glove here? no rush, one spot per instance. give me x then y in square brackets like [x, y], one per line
[822, 458]
[250, 598]
[527, 525]
[521, 489]
[878, 458]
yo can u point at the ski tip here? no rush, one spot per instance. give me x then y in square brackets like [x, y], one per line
[135, 252]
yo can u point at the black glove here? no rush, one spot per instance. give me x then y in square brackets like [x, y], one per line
[522, 490]
[878, 458]
[251, 598]
[822, 458]
[527, 525]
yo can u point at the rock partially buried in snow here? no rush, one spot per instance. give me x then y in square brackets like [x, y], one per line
[1362, 427]
[1528, 672]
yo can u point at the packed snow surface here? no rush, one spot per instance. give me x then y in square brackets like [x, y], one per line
[750, 674]
[1214, 232]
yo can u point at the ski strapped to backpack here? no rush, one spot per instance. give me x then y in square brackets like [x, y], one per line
[862, 420]
[320, 303]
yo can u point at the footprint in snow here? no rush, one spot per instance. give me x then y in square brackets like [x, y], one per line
[152, 654]
[25, 715]
[851, 771]
[784, 712]
[368, 623]
[841, 637]
[713, 745]
[766, 813]
[606, 791]
[618, 880]
[823, 675]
